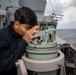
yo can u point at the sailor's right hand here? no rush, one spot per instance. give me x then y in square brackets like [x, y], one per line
[28, 37]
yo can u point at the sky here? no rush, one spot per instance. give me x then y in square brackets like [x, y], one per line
[67, 8]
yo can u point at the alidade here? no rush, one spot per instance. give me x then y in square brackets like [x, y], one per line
[42, 55]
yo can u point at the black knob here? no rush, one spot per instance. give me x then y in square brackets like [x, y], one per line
[38, 38]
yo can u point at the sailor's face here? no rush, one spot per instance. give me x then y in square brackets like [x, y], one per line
[21, 29]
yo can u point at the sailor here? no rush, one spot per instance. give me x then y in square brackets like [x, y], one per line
[15, 37]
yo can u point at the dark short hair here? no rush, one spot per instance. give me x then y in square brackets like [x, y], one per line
[25, 15]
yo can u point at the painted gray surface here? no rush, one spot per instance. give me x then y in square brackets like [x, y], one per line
[36, 5]
[7, 3]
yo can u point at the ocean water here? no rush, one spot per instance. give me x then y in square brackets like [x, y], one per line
[67, 34]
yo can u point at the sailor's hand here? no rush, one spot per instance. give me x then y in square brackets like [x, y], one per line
[28, 37]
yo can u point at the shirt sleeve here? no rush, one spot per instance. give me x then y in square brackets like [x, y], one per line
[8, 56]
